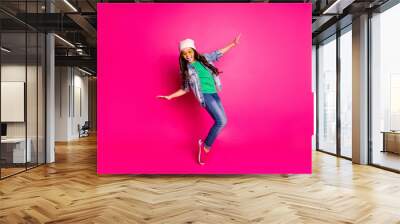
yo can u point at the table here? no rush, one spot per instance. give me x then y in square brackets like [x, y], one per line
[391, 141]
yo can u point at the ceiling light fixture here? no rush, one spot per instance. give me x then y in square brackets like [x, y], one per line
[5, 50]
[84, 71]
[70, 5]
[64, 40]
[337, 7]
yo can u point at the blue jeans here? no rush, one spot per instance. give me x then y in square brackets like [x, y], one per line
[214, 107]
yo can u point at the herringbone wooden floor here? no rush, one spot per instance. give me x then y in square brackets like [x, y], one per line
[70, 191]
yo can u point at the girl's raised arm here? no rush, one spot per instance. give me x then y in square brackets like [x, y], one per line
[232, 44]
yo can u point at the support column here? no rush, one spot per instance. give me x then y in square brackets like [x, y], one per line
[360, 90]
[50, 92]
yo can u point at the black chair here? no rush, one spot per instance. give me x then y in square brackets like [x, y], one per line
[84, 130]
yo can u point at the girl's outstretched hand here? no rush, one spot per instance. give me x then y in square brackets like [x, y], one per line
[164, 97]
[237, 38]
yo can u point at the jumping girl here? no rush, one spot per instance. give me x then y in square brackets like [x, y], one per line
[202, 77]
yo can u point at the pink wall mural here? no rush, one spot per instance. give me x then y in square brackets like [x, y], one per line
[266, 88]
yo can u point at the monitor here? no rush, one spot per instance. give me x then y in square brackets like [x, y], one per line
[3, 129]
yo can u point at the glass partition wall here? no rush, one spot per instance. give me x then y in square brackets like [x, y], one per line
[22, 78]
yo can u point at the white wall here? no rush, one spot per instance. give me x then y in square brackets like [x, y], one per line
[16, 72]
[62, 81]
[79, 117]
[71, 102]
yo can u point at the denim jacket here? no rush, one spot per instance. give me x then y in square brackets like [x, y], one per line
[193, 81]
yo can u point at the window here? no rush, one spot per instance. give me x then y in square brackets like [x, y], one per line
[385, 88]
[346, 93]
[327, 95]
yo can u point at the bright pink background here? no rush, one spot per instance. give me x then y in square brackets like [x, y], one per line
[266, 88]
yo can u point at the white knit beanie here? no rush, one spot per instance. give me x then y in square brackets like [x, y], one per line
[186, 43]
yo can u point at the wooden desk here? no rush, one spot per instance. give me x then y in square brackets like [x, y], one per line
[391, 141]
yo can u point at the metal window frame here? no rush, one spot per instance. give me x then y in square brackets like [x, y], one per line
[387, 5]
[337, 34]
[381, 9]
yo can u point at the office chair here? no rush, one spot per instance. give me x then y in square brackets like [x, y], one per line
[84, 130]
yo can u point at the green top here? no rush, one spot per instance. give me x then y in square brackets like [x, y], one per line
[207, 84]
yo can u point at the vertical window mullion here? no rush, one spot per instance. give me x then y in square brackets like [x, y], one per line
[338, 80]
[26, 86]
[317, 96]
